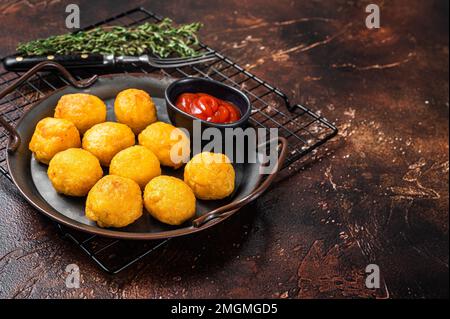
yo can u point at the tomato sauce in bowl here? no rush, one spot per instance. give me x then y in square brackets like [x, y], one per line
[208, 108]
[194, 100]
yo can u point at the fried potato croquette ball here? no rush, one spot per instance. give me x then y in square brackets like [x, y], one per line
[74, 172]
[52, 136]
[135, 108]
[83, 110]
[210, 175]
[137, 163]
[169, 200]
[105, 140]
[170, 144]
[114, 201]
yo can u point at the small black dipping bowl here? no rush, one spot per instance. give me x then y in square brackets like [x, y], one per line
[219, 90]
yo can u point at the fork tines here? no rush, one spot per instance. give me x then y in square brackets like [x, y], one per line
[178, 62]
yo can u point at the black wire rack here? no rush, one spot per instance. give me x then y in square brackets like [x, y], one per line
[304, 129]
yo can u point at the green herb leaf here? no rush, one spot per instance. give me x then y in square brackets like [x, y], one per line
[163, 39]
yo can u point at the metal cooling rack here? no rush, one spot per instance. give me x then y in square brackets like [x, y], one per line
[304, 129]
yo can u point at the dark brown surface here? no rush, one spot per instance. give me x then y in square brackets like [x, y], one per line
[378, 193]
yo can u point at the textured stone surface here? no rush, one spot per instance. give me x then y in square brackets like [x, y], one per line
[377, 193]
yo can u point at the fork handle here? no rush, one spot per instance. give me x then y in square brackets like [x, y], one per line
[76, 61]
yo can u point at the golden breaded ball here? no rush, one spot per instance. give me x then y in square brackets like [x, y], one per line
[135, 108]
[105, 140]
[136, 162]
[169, 200]
[114, 202]
[170, 144]
[52, 136]
[83, 110]
[210, 175]
[74, 171]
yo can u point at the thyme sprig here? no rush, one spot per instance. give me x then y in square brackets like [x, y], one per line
[163, 39]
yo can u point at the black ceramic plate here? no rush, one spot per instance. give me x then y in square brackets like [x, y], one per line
[31, 177]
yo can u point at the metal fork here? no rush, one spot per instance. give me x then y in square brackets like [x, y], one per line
[84, 61]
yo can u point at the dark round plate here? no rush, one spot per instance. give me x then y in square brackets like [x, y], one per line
[31, 177]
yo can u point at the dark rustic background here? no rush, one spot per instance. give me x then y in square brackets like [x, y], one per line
[377, 193]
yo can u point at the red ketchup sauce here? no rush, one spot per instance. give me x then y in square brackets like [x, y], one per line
[208, 108]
